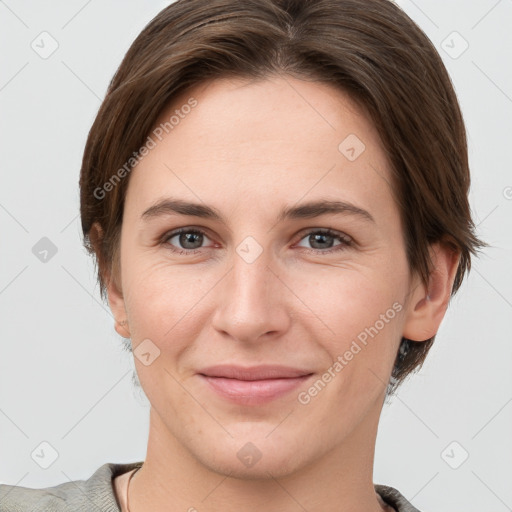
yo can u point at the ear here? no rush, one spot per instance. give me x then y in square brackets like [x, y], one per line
[427, 307]
[110, 272]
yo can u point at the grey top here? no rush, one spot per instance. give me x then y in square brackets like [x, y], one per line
[97, 494]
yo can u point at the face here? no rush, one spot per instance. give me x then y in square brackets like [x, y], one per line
[256, 274]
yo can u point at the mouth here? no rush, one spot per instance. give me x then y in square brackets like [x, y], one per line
[253, 385]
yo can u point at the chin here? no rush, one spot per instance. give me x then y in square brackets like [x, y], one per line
[266, 468]
[252, 456]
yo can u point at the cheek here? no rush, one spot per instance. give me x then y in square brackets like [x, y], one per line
[365, 313]
[349, 300]
[163, 300]
[164, 306]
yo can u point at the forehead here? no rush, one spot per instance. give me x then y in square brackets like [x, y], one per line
[261, 143]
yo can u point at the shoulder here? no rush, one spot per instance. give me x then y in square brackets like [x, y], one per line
[393, 497]
[95, 493]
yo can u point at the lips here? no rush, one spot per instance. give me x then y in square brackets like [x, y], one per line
[253, 385]
[261, 372]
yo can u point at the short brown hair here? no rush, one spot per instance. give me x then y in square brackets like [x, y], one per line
[370, 49]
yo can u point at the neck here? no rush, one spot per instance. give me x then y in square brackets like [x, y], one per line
[341, 479]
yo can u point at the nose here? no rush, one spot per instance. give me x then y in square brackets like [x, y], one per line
[252, 302]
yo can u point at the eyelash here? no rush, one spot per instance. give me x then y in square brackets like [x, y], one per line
[345, 240]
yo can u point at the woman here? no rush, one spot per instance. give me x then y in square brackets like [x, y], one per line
[275, 193]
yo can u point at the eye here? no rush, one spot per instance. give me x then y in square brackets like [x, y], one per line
[322, 241]
[188, 240]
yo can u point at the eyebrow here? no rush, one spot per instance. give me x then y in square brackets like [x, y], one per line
[308, 210]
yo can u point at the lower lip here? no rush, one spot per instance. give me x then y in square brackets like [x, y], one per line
[253, 392]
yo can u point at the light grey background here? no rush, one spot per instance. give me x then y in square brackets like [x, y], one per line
[64, 378]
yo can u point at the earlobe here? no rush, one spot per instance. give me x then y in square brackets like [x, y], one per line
[428, 305]
[122, 329]
[117, 305]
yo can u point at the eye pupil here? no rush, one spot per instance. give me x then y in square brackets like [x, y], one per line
[190, 237]
[320, 237]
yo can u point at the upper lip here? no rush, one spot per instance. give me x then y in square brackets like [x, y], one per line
[260, 372]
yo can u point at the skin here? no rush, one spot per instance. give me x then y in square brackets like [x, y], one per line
[249, 149]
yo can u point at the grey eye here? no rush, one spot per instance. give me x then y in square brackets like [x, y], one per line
[188, 239]
[320, 240]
